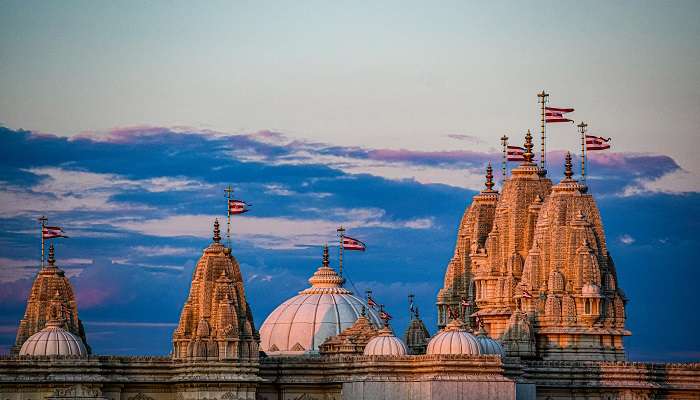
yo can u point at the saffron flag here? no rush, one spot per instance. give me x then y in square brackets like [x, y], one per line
[353, 244]
[237, 207]
[553, 114]
[597, 143]
[371, 302]
[51, 232]
[515, 153]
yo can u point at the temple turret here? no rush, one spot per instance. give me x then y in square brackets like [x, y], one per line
[570, 270]
[216, 322]
[457, 293]
[51, 295]
[417, 335]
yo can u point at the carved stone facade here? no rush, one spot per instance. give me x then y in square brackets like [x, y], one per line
[417, 336]
[51, 296]
[216, 322]
[533, 266]
[352, 340]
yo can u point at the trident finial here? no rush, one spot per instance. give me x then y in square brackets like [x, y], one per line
[52, 256]
[489, 177]
[325, 255]
[567, 165]
[217, 233]
[528, 147]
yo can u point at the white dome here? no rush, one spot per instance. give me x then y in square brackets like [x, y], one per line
[53, 341]
[302, 323]
[488, 345]
[385, 344]
[454, 339]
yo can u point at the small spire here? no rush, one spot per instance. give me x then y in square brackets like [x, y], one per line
[489, 177]
[363, 312]
[528, 147]
[52, 256]
[217, 232]
[568, 172]
[325, 255]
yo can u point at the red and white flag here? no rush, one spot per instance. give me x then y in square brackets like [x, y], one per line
[237, 207]
[371, 302]
[553, 114]
[353, 244]
[515, 153]
[527, 294]
[597, 143]
[384, 315]
[51, 232]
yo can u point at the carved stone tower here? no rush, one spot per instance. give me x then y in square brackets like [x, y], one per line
[216, 322]
[417, 335]
[51, 295]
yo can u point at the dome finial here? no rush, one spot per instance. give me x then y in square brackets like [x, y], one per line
[217, 232]
[52, 256]
[325, 255]
[528, 147]
[489, 177]
[568, 172]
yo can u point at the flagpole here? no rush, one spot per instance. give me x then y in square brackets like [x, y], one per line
[341, 234]
[504, 142]
[42, 221]
[582, 128]
[542, 98]
[229, 195]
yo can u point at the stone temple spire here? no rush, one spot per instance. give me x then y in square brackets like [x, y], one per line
[528, 148]
[51, 293]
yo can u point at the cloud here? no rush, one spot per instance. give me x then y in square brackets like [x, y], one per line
[473, 140]
[156, 251]
[626, 239]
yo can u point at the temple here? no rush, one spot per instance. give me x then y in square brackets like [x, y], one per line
[531, 308]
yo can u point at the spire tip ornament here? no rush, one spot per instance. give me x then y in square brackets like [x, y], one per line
[217, 233]
[325, 255]
[568, 170]
[52, 256]
[528, 148]
[489, 177]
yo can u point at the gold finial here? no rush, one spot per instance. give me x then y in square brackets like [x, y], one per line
[528, 147]
[52, 256]
[325, 255]
[568, 172]
[217, 233]
[489, 177]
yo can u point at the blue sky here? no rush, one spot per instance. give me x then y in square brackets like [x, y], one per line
[124, 122]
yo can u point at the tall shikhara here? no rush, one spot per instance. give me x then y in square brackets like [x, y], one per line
[216, 322]
[51, 292]
[532, 264]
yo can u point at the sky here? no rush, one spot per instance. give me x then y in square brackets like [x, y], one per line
[124, 121]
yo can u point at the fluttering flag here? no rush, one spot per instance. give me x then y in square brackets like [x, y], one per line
[465, 302]
[384, 315]
[527, 294]
[51, 232]
[594, 143]
[353, 244]
[516, 153]
[553, 114]
[371, 302]
[237, 207]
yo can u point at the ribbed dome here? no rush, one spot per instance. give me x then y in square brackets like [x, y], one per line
[53, 341]
[454, 339]
[488, 345]
[301, 324]
[385, 344]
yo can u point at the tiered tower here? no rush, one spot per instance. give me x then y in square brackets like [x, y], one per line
[569, 283]
[51, 293]
[216, 322]
[457, 295]
[417, 335]
[534, 268]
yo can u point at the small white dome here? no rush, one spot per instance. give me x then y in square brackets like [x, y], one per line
[53, 341]
[488, 345]
[454, 339]
[385, 344]
[301, 324]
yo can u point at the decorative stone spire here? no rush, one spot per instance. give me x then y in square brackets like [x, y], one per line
[217, 232]
[52, 256]
[489, 178]
[325, 279]
[528, 148]
[568, 172]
